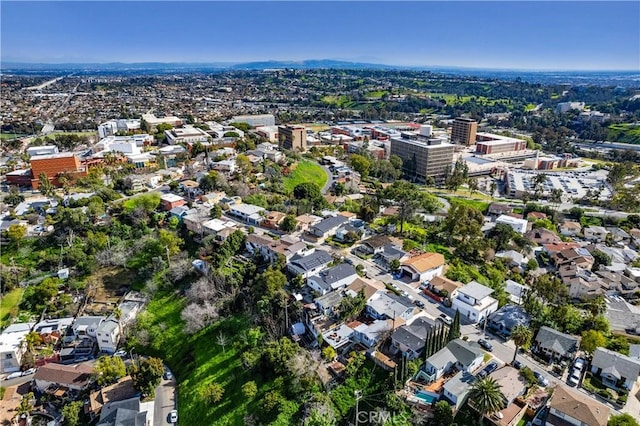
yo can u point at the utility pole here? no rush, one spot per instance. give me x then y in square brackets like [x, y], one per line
[358, 395]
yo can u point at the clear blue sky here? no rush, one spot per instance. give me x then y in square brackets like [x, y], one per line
[525, 35]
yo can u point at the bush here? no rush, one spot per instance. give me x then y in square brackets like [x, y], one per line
[622, 399]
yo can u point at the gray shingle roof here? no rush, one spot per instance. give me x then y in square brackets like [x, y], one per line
[509, 316]
[333, 275]
[616, 364]
[556, 341]
[329, 223]
[414, 335]
[476, 290]
[458, 350]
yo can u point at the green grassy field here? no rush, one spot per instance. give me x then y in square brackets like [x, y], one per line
[306, 171]
[377, 94]
[624, 133]
[10, 135]
[81, 134]
[197, 360]
[342, 101]
[9, 306]
[478, 204]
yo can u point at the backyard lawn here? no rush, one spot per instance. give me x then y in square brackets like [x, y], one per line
[305, 171]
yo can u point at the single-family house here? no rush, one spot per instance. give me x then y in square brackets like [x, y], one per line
[554, 344]
[383, 305]
[108, 335]
[248, 213]
[516, 291]
[533, 216]
[456, 389]
[619, 235]
[518, 225]
[326, 227]
[171, 201]
[389, 253]
[230, 201]
[212, 198]
[306, 221]
[580, 257]
[497, 209]
[130, 411]
[273, 219]
[505, 319]
[541, 236]
[474, 302]
[423, 267]
[371, 333]
[445, 287]
[569, 407]
[570, 228]
[215, 226]
[373, 245]
[512, 384]
[554, 248]
[616, 370]
[271, 249]
[332, 278]
[180, 212]
[348, 233]
[121, 390]
[595, 233]
[338, 337]
[12, 346]
[464, 356]
[85, 326]
[409, 340]
[514, 258]
[62, 377]
[310, 264]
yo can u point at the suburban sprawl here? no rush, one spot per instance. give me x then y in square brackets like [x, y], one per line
[318, 247]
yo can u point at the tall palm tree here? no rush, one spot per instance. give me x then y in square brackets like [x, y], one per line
[521, 336]
[486, 397]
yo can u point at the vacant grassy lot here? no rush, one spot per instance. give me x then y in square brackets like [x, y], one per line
[81, 134]
[342, 101]
[478, 204]
[9, 306]
[305, 171]
[625, 133]
[10, 135]
[377, 94]
[198, 360]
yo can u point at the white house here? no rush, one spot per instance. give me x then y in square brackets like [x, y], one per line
[457, 388]
[570, 228]
[464, 356]
[383, 305]
[518, 225]
[12, 346]
[332, 278]
[108, 335]
[616, 370]
[474, 302]
[423, 267]
[248, 212]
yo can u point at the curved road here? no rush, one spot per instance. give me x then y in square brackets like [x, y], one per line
[329, 183]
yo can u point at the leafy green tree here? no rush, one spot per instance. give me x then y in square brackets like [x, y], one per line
[26, 404]
[328, 353]
[14, 198]
[250, 390]
[394, 266]
[45, 186]
[501, 234]
[146, 375]
[306, 190]
[454, 330]
[486, 397]
[45, 291]
[216, 212]
[360, 164]
[71, 413]
[591, 340]
[288, 224]
[32, 339]
[109, 369]
[409, 198]
[521, 336]
[170, 241]
[271, 282]
[463, 228]
[213, 393]
[622, 420]
[442, 414]
[549, 288]
[619, 344]
[600, 258]
[16, 233]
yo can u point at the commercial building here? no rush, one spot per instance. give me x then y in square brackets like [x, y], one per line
[42, 150]
[488, 143]
[112, 127]
[568, 106]
[423, 156]
[293, 137]
[186, 135]
[255, 120]
[55, 164]
[463, 131]
[152, 121]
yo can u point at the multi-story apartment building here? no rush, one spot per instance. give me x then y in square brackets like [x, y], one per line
[293, 137]
[463, 131]
[488, 143]
[423, 156]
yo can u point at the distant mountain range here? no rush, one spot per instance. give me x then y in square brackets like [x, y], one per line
[618, 78]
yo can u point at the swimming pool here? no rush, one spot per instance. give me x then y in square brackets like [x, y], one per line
[426, 397]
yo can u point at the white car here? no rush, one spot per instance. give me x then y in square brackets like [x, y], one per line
[29, 371]
[14, 375]
[574, 378]
[445, 319]
[173, 416]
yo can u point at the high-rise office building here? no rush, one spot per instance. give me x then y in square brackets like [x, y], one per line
[423, 156]
[293, 137]
[463, 131]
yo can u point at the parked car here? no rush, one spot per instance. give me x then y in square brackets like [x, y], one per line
[542, 381]
[14, 375]
[574, 377]
[579, 364]
[485, 345]
[517, 365]
[173, 416]
[120, 353]
[491, 367]
[418, 303]
[29, 371]
[168, 375]
[445, 319]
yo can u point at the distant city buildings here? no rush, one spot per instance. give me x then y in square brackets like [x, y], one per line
[255, 120]
[423, 156]
[153, 121]
[293, 137]
[563, 107]
[489, 143]
[112, 127]
[463, 131]
[186, 135]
